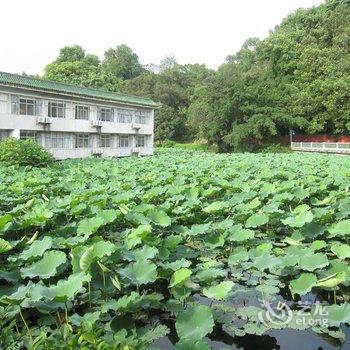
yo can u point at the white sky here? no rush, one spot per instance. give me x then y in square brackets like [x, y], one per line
[195, 31]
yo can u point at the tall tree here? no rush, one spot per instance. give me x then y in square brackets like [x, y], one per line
[122, 62]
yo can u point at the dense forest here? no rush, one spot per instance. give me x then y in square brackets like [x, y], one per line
[298, 77]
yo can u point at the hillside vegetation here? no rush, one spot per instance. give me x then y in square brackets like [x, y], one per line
[298, 77]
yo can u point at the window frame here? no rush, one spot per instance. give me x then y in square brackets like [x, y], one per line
[102, 115]
[105, 141]
[142, 116]
[34, 136]
[125, 116]
[143, 143]
[52, 105]
[122, 143]
[26, 104]
[84, 139]
[78, 112]
[58, 137]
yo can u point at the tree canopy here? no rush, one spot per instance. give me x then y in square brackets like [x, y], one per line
[298, 77]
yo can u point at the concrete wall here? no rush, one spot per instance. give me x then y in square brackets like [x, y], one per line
[12, 124]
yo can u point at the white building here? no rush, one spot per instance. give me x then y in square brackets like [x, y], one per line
[73, 121]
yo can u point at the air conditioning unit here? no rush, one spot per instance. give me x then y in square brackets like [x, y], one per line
[135, 150]
[44, 120]
[97, 123]
[135, 126]
[96, 151]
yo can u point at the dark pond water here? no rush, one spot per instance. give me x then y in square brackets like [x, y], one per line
[287, 339]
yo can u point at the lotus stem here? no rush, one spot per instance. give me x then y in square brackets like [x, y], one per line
[26, 325]
[335, 295]
[66, 312]
[89, 286]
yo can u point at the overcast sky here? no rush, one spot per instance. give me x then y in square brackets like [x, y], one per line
[195, 31]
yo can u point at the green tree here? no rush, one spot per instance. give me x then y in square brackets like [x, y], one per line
[122, 62]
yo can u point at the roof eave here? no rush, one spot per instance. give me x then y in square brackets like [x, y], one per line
[152, 105]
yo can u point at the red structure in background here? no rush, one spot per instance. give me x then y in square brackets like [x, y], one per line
[316, 138]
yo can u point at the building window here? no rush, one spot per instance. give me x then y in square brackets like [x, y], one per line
[124, 115]
[124, 141]
[28, 135]
[105, 141]
[27, 106]
[105, 114]
[82, 112]
[141, 117]
[57, 110]
[3, 134]
[57, 140]
[141, 141]
[82, 141]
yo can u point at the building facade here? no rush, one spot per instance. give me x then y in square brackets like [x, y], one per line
[75, 122]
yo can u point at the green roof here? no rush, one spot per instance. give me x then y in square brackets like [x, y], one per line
[56, 87]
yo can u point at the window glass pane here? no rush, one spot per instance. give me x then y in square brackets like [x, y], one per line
[124, 141]
[82, 112]
[57, 110]
[105, 114]
[141, 141]
[105, 141]
[28, 135]
[141, 117]
[82, 141]
[124, 115]
[26, 106]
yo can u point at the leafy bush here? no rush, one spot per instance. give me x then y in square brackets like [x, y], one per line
[275, 148]
[165, 143]
[24, 152]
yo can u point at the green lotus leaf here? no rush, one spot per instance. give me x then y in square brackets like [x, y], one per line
[342, 228]
[178, 264]
[108, 215]
[137, 235]
[194, 323]
[17, 296]
[46, 267]
[5, 221]
[303, 284]
[95, 252]
[257, 220]
[298, 220]
[239, 234]
[313, 262]
[266, 261]
[214, 207]
[5, 246]
[66, 289]
[341, 250]
[338, 314]
[237, 256]
[331, 281]
[37, 248]
[218, 292]
[90, 226]
[187, 344]
[209, 274]
[141, 272]
[160, 218]
[146, 252]
[318, 244]
[180, 276]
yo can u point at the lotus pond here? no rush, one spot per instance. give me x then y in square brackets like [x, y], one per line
[183, 250]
